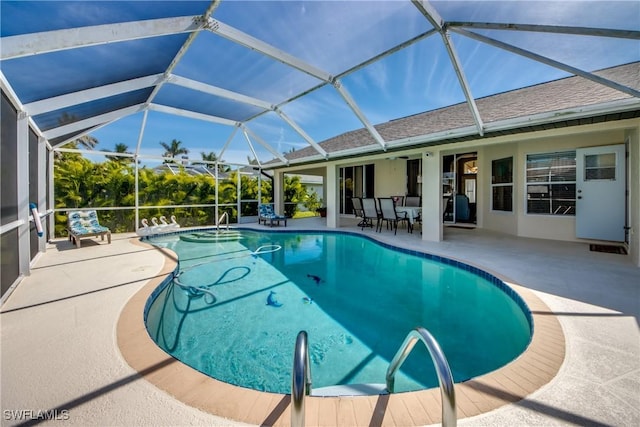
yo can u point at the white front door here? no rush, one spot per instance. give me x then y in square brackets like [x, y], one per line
[600, 193]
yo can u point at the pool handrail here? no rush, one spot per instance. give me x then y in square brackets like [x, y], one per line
[225, 215]
[443, 371]
[300, 380]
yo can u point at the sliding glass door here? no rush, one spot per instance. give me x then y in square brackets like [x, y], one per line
[459, 173]
[355, 181]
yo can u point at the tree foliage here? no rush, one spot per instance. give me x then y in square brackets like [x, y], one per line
[173, 149]
[81, 183]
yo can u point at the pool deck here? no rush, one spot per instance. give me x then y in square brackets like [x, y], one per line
[69, 343]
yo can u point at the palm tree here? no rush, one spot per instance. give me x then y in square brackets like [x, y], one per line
[209, 157]
[212, 157]
[122, 149]
[87, 141]
[173, 149]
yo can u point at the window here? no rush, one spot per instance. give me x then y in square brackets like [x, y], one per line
[551, 183]
[502, 184]
[600, 167]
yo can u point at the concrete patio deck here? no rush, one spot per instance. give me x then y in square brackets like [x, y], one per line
[59, 344]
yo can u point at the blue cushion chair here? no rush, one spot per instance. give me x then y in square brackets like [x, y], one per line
[85, 224]
[266, 213]
[463, 210]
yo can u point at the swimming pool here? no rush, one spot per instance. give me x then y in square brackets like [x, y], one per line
[356, 298]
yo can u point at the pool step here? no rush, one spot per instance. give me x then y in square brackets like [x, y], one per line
[350, 390]
[211, 237]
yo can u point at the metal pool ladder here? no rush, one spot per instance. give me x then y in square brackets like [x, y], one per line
[301, 375]
[443, 371]
[224, 216]
[300, 379]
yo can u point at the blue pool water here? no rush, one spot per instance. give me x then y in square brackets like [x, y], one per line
[356, 298]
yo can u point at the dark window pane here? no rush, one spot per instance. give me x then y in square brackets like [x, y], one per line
[9, 156]
[556, 199]
[502, 171]
[538, 206]
[503, 198]
[10, 268]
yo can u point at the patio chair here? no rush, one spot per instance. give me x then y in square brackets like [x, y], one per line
[266, 213]
[358, 210]
[370, 212]
[463, 210]
[414, 201]
[85, 224]
[417, 221]
[389, 214]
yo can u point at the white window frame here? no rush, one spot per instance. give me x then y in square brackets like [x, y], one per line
[561, 211]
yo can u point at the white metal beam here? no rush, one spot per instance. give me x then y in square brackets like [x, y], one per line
[91, 122]
[52, 41]
[41, 184]
[143, 127]
[430, 13]
[22, 192]
[217, 91]
[250, 42]
[302, 133]
[199, 21]
[264, 144]
[549, 61]
[354, 107]
[99, 152]
[462, 79]
[226, 144]
[13, 98]
[76, 136]
[191, 114]
[436, 20]
[75, 98]
[556, 29]
[246, 137]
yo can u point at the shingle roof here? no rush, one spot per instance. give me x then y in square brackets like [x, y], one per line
[556, 96]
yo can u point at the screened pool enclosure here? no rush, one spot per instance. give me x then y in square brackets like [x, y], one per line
[194, 108]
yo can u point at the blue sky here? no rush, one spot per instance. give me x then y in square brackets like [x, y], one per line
[332, 36]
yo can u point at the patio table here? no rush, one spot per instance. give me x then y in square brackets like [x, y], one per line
[411, 211]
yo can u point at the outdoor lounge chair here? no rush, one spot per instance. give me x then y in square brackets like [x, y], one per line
[85, 224]
[389, 214]
[266, 213]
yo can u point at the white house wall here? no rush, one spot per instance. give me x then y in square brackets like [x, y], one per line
[553, 226]
[633, 137]
[520, 223]
[506, 222]
[390, 177]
